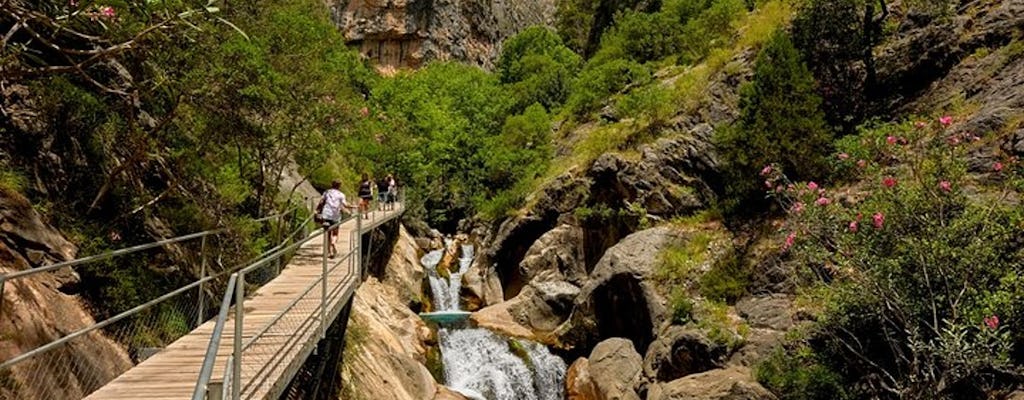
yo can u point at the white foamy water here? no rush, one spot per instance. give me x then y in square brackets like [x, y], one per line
[485, 366]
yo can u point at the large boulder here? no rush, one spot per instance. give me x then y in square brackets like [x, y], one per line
[679, 352]
[556, 256]
[720, 384]
[481, 286]
[615, 369]
[579, 384]
[621, 298]
[534, 314]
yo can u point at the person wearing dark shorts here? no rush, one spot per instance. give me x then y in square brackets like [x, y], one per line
[365, 195]
[382, 194]
[329, 210]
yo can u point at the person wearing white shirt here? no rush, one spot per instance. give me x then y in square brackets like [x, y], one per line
[329, 210]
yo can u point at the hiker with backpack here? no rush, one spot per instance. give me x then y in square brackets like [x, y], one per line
[328, 212]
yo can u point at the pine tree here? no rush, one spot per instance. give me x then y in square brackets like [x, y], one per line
[781, 123]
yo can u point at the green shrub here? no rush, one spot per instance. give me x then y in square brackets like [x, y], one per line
[726, 281]
[599, 81]
[923, 267]
[711, 29]
[780, 123]
[797, 375]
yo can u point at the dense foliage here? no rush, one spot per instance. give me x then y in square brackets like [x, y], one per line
[916, 269]
[781, 122]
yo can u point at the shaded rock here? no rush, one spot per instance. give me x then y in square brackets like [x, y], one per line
[773, 311]
[35, 312]
[615, 369]
[556, 256]
[720, 384]
[679, 352]
[1018, 395]
[621, 285]
[481, 287]
[515, 236]
[758, 345]
[579, 384]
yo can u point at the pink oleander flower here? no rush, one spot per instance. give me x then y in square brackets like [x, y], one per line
[889, 182]
[798, 207]
[953, 140]
[790, 187]
[946, 120]
[766, 170]
[854, 225]
[862, 163]
[790, 240]
[920, 124]
[879, 220]
[890, 140]
[992, 322]
[768, 184]
[812, 186]
[364, 111]
[107, 12]
[945, 186]
[823, 201]
[998, 166]
[843, 156]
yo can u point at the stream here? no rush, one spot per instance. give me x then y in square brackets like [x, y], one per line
[481, 364]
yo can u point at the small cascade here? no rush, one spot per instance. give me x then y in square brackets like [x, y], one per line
[481, 364]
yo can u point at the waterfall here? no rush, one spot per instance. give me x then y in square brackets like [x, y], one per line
[481, 364]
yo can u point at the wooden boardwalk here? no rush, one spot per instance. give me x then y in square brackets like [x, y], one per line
[282, 344]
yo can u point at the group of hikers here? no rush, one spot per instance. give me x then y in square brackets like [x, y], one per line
[333, 203]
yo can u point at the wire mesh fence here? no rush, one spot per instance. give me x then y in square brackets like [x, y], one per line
[74, 355]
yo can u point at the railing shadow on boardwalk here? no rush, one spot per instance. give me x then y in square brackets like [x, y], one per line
[284, 313]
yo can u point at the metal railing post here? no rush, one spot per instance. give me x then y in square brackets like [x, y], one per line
[202, 275]
[359, 249]
[3, 284]
[236, 367]
[215, 391]
[323, 282]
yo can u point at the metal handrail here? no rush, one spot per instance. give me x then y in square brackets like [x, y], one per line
[125, 314]
[232, 372]
[218, 331]
[128, 250]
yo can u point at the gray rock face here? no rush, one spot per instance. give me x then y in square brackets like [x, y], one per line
[720, 384]
[675, 175]
[615, 369]
[773, 311]
[407, 33]
[557, 256]
[620, 299]
[679, 352]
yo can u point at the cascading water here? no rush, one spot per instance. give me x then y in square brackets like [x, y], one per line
[481, 364]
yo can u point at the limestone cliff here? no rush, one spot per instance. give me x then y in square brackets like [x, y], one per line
[397, 34]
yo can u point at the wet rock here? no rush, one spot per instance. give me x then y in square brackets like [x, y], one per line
[615, 369]
[679, 352]
[720, 384]
[579, 384]
[443, 393]
[556, 256]
[481, 287]
[621, 285]
[534, 314]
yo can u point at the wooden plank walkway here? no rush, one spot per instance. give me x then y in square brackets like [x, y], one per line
[282, 345]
